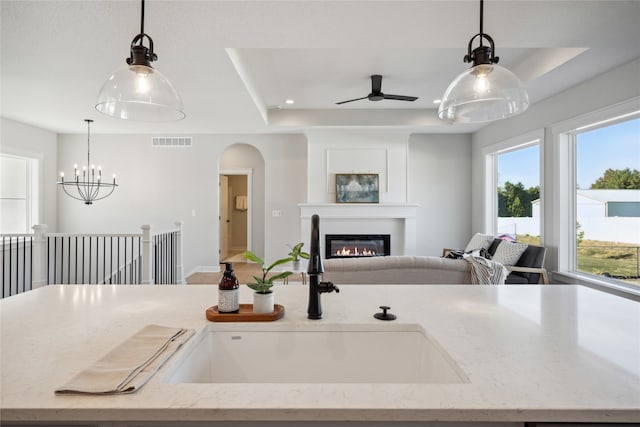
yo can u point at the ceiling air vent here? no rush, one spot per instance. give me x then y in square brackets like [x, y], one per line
[171, 142]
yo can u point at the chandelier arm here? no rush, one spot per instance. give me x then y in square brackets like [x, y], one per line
[82, 189]
[64, 187]
[91, 192]
[95, 189]
[113, 187]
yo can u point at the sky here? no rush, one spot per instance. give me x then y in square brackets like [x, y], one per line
[610, 147]
[520, 166]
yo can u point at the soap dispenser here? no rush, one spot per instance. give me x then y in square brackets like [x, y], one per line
[228, 291]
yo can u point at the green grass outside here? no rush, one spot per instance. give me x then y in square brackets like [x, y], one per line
[603, 258]
[609, 258]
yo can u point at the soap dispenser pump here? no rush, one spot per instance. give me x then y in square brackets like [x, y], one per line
[228, 291]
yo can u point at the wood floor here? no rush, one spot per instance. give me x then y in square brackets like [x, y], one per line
[243, 272]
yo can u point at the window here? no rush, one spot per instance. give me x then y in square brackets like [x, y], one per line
[513, 189]
[18, 194]
[518, 193]
[607, 199]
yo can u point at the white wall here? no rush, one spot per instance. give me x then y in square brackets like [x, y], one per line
[608, 89]
[439, 181]
[433, 171]
[161, 185]
[20, 139]
[343, 151]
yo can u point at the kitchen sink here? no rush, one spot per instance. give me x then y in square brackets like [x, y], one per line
[393, 353]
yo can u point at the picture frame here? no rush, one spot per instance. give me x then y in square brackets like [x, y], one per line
[357, 188]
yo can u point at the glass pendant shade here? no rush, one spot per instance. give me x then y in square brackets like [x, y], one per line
[139, 92]
[483, 93]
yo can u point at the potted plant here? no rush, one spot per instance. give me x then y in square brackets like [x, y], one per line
[297, 253]
[263, 298]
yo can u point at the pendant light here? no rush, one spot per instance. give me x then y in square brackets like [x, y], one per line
[138, 91]
[486, 91]
[90, 187]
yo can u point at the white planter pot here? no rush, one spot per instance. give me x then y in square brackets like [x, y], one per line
[295, 265]
[263, 303]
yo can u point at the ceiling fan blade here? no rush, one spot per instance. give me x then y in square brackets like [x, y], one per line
[351, 100]
[376, 83]
[400, 97]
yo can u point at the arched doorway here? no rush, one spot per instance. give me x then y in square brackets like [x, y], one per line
[241, 201]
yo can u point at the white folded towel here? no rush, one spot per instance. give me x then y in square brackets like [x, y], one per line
[129, 366]
[241, 203]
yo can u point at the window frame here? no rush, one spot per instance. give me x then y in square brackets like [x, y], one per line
[563, 137]
[490, 155]
[33, 184]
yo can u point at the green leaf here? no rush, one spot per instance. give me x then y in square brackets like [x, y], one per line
[281, 275]
[279, 262]
[253, 257]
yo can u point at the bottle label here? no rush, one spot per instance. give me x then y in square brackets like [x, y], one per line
[228, 300]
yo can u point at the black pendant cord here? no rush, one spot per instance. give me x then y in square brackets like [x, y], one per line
[481, 20]
[142, 22]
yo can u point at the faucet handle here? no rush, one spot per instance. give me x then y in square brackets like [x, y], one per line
[328, 287]
[384, 315]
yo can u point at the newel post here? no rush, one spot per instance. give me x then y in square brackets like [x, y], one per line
[179, 268]
[39, 260]
[147, 256]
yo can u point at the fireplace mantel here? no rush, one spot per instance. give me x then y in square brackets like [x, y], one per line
[399, 220]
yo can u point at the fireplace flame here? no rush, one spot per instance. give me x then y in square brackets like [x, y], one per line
[354, 252]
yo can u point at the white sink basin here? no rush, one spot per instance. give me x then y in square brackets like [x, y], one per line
[314, 354]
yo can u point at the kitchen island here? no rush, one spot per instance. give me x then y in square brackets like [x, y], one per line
[554, 353]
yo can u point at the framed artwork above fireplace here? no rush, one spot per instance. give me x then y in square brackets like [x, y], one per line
[357, 188]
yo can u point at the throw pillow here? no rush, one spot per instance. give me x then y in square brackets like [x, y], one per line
[509, 253]
[479, 241]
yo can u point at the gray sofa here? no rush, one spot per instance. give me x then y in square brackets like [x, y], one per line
[396, 270]
[427, 269]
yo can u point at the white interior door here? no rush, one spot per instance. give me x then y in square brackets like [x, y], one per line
[225, 218]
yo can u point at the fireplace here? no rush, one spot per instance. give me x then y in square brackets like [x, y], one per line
[357, 245]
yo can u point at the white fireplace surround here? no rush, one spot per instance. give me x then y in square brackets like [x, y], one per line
[397, 220]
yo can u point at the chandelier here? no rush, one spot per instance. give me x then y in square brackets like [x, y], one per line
[486, 91]
[90, 187]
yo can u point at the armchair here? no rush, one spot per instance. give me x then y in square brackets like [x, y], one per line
[527, 270]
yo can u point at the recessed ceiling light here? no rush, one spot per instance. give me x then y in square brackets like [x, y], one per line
[289, 101]
[437, 101]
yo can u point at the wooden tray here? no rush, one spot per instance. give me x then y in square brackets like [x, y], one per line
[245, 314]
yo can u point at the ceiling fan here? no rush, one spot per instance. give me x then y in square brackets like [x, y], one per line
[377, 95]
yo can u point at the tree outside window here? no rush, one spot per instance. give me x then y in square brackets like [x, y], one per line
[518, 193]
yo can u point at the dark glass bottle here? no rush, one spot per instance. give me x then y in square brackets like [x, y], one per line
[228, 291]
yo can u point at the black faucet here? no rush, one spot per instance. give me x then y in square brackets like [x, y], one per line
[315, 270]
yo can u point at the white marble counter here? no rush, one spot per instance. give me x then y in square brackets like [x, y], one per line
[532, 353]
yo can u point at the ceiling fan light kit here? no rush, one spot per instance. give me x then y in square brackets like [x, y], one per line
[486, 91]
[138, 91]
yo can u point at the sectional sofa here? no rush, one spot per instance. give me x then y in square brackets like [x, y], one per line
[525, 267]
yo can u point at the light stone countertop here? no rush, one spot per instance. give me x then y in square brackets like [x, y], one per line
[531, 353]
